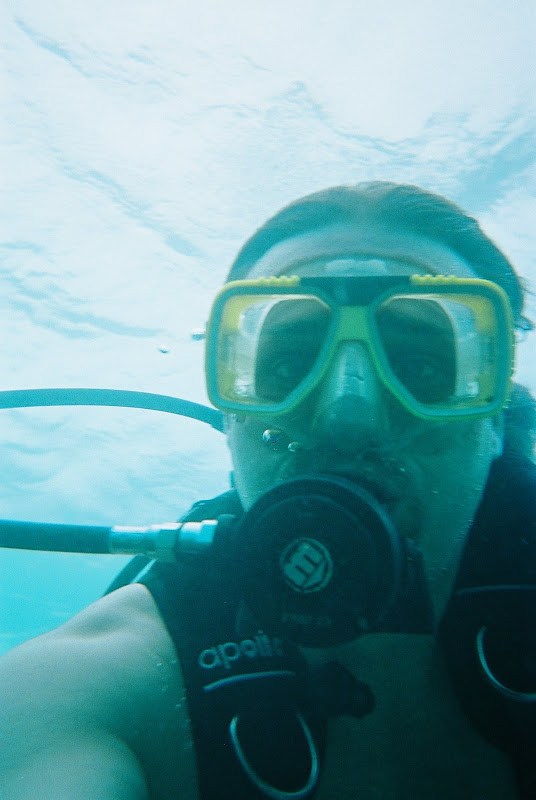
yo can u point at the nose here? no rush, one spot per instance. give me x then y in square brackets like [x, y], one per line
[349, 413]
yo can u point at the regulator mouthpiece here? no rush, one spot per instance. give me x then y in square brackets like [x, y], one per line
[321, 564]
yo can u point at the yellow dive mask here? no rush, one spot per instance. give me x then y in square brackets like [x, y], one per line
[443, 346]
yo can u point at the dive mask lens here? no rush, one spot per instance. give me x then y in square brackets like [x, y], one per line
[268, 349]
[444, 353]
[442, 346]
[288, 345]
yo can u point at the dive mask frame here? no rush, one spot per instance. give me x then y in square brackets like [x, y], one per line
[353, 303]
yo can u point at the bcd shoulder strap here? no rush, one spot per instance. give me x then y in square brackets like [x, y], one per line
[488, 632]
[255, 734]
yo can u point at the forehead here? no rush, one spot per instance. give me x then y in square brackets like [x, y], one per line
[365, 248]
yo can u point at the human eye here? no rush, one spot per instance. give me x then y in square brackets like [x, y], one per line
[426, 375]
[286, 357]
[420, 350]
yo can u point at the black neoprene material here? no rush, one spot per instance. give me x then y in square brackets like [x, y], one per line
[233, 670]
[496, 588]
[496, 591]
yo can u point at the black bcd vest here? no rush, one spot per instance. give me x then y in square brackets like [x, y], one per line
[259, 716]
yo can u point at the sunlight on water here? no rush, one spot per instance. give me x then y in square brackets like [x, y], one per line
[140, 151]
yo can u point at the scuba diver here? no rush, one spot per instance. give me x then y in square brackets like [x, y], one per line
[363, 625]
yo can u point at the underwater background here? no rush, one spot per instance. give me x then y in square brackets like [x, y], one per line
[140, 145]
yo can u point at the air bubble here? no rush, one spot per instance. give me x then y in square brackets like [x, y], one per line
[274, 438]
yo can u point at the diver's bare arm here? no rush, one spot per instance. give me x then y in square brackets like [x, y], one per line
[86, 767]
[53, 745]
[81, 707]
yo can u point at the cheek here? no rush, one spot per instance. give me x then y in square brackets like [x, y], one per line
[458, 456]
[256, 464]
[453, 482]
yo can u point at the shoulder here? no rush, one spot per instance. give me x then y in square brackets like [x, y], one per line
[501, 545]
[111, 668]
[119, 612]
[110, 651]
[120, 636]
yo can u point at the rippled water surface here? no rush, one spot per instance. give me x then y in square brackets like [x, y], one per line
[140, 145]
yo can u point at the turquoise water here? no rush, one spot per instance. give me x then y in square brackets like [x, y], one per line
[139, 150]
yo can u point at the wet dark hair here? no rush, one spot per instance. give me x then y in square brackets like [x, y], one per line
[399, 206]
[408, 208]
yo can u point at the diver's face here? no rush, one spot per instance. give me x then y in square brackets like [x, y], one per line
[429, 475]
